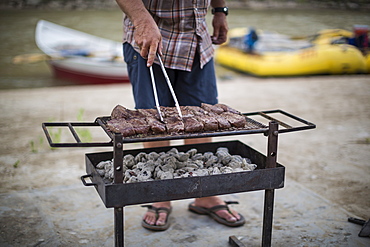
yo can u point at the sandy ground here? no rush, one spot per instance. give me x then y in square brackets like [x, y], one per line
[331, 160]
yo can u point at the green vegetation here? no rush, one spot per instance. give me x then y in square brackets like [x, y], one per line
[56, 134]
[84, 134]
[15, 165]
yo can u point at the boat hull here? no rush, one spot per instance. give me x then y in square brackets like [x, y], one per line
[81, 57]
[89, 72]
[317, 60]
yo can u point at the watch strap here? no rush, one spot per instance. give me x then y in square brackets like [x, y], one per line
[224, 10]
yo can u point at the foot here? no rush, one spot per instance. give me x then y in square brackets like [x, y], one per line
[209, 202]
[152, 219]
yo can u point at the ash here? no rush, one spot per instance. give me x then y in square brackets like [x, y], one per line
[174, 164]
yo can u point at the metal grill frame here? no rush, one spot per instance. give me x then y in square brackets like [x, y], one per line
[271, 169]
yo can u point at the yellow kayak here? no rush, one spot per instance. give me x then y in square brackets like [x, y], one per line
[304, 58]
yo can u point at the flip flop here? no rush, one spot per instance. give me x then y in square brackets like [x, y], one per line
[212, 213]
[157, 211]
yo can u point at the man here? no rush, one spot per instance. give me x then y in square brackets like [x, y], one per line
[176, 30]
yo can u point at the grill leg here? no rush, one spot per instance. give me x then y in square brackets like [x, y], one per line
[118, 179]
[267, 218]
[269, 193]
[118, 227]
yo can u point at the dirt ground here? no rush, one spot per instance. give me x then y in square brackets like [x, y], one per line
[331, 160]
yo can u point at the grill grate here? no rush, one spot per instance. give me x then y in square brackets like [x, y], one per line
[252, 126]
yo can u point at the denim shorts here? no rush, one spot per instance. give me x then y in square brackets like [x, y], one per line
[191, 88]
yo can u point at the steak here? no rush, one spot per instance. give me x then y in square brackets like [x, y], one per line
[191, 124]
[121, 126]
[212, 108]
[120, 112]
[223, 123]
[235, 120]
[209, 122]
[195, 120]
[140, 125]
[152, 119]
[174, 125]
[227, 108]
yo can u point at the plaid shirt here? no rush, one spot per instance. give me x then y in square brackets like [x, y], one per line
[184, 31]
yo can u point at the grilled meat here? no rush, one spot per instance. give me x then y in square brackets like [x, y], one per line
[120, 112]
[152, 119]
[212, 108]
[195, 120]
[191, 124]
[235, 120]
[227, 108]
[121, 126]
[202, 116]
[174, 125]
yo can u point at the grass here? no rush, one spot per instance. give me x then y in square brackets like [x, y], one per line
[56, 134]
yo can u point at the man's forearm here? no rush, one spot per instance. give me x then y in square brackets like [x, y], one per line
[134, 9]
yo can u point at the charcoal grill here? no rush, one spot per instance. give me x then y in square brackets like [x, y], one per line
[269, 175]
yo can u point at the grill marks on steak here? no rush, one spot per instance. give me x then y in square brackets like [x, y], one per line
[121, 126]
[235, 120]
[208, 121]
[135, 118]
[223, 112]
[152, 118]
[192, 125]
[195, 119]
[171, 117]
[134, 122]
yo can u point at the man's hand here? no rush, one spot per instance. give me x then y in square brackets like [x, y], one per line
[220, 28]
[146, 32]
[149, 39]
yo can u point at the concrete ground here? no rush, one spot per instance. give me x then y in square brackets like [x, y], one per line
[43, 202]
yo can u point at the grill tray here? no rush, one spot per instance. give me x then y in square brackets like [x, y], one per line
[120, 195]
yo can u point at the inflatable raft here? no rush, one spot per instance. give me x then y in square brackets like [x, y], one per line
[280, 55]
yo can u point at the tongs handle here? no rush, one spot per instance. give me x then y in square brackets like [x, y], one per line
[155, 93]
[169, 85]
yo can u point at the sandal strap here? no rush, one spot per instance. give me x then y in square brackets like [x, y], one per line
[150, 208]
[218, 208]
[156, 210]
[222, 207]
[163, 210]
[231, 202]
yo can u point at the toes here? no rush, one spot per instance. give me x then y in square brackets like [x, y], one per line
[161, 219]
[227, 216]
[236, 214]
[149, 218]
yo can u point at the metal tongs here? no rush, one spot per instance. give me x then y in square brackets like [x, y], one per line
[169, 86]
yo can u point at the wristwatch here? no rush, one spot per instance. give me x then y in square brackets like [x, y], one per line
[224, 10]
